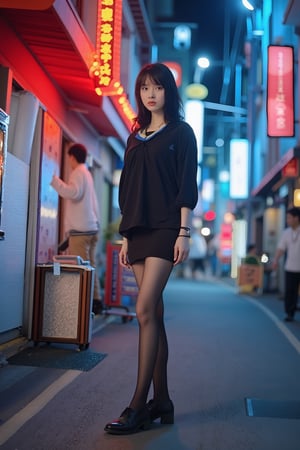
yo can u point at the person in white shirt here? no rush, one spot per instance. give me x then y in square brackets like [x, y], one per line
[198, 254]
[289, 244]
[82, 213]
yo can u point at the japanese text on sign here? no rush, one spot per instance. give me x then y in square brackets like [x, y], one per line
[280, 93]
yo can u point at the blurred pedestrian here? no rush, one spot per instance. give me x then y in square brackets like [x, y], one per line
[158, 190]
[289, 244]
[212, 253]
[198, 254]
[251, 255]
[82, 213]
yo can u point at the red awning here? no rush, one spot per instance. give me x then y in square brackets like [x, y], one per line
[57, 40]
[28, 4]
[275, 174]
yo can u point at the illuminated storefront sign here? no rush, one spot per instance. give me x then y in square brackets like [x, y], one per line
[239, 160]
[280, 92]
[291, 169]
[194, 115]
[105, 69]
[225, 243]
[297, 197]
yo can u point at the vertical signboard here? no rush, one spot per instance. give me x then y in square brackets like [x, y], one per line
[239, 168]
[107, 62]
[194, 115]
[225, 243]
[280, 91]
[48, 208]
[120, 286]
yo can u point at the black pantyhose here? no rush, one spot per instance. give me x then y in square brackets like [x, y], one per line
[151, 276]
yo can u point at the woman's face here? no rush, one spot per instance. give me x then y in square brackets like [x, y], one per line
[152, 95]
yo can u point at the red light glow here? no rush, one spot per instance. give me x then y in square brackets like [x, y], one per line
[105, 69]
[209, 215]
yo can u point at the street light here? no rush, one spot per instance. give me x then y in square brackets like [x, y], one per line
[202, 64]
[252, 5]
[248, 5]
[196, 90]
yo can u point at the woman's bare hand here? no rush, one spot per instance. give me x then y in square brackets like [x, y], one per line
[123, 254]
[181, 250]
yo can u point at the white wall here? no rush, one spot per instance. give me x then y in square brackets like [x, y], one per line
[12, 249]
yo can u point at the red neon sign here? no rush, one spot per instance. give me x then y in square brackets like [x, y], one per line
[176, 70]
[225, 242]
[106, 65]
[280, 92]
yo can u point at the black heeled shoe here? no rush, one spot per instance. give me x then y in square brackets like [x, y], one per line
[163, 411]
[130, 422]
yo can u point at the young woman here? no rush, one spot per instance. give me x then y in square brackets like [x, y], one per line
[158, 191]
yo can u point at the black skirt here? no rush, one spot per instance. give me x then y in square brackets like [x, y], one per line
[144, 242]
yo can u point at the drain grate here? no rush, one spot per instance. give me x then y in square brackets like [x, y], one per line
[256, 407]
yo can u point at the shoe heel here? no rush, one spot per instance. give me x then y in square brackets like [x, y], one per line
[167, 418]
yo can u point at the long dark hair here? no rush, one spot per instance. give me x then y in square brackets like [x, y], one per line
[161, 75]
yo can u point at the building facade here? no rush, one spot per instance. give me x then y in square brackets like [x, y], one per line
[51, 95]
[275, 159]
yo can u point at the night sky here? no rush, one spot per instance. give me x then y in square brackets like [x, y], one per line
[208, 39]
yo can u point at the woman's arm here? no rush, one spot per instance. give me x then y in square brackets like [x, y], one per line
[123, 258]
[182, 244]
[185, 214]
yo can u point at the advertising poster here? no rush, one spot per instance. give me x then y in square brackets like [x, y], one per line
[49, 200]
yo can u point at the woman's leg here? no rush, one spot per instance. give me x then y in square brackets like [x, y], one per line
[160, 379]
[152, 276]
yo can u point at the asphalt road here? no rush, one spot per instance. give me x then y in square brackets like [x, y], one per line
[224, 348]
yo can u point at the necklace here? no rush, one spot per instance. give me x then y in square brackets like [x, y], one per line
[147, 132]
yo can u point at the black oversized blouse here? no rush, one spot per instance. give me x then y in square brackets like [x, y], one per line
[158, 178]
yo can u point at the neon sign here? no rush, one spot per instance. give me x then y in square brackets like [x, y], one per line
[105, 69]
[280, 92]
